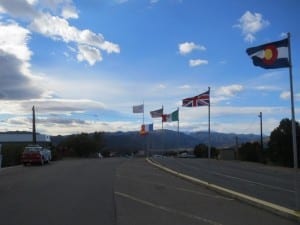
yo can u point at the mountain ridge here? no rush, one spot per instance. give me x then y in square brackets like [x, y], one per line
[167, 140]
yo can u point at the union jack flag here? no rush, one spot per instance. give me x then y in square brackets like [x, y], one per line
[199, 100]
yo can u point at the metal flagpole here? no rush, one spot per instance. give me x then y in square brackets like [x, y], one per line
[178, 134]
[162, 123]
[295, 151]
[178, 120]
[209, 144]
[143, 112]
[162, 130]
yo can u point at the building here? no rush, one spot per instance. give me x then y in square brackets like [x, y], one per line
[23, 138]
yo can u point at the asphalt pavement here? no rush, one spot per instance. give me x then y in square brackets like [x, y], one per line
[272, 184]
[68, 192]
[116, 192]
[146, 195]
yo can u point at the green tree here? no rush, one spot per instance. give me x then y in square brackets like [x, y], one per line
[280, 144]
[11, 154]
[201, 151]
[84, 145]
[250, 152]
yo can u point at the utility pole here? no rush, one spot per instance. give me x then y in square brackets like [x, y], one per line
[261, 133]
[33, 126]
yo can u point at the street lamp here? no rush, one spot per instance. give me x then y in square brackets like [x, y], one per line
[261, 135]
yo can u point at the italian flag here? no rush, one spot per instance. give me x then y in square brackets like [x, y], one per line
[171, 117]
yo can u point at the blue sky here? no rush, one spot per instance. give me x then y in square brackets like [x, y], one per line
[84, 64]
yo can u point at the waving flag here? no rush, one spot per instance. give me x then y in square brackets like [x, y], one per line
[157, 113]
[138, 108]
[199, 100]
[271, 55]
[146, 128]
[170, 117]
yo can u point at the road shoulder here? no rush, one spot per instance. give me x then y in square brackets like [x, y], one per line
[279, 210]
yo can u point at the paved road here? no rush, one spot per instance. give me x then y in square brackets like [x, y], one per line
[272, 184]
[115, 192]
[69, 192]
[146, 195]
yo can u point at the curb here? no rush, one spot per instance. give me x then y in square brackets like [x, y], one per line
[271, 207]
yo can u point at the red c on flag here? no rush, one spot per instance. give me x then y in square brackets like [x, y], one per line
[270, 54]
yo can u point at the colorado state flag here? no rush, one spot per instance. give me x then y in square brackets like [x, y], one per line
[271, 55]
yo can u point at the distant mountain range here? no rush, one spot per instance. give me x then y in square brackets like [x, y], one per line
[167, 140]
[163, 140]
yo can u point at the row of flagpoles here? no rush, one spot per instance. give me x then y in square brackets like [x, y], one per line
[198, 100]
[268, 56]
[202, 99]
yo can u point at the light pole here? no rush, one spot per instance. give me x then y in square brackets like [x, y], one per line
[33, 126]
[261, 134]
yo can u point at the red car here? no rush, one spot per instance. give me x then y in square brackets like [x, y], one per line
[35, 154]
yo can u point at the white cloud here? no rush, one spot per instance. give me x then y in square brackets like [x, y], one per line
[17, 82]
[54, 116]
[32, 2]
[18, 8]
[197, 62]
[42, 19]
[53, 5]
[89, 54]
[69, 12]
[188, 47]
[267, 88]
[185, 86]
[57, 28]
[50, 106]
[285, 95]
[161, 86]
[193, 119]
[89, 43]
[224, 93]
[250, 24]
[229, 91]
[14, 39]
[109, 47]
[63, 106]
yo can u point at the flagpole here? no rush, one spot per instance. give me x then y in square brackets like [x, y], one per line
[209, 144]
[178, 135]
[162, 130]
[143, 112]
[295, 153]
[295, 150]
[178, 120]
[162, 123]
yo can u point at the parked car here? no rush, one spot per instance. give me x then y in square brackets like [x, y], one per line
[36, 154]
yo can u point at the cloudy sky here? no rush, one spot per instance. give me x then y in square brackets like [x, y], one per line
[84, 64]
